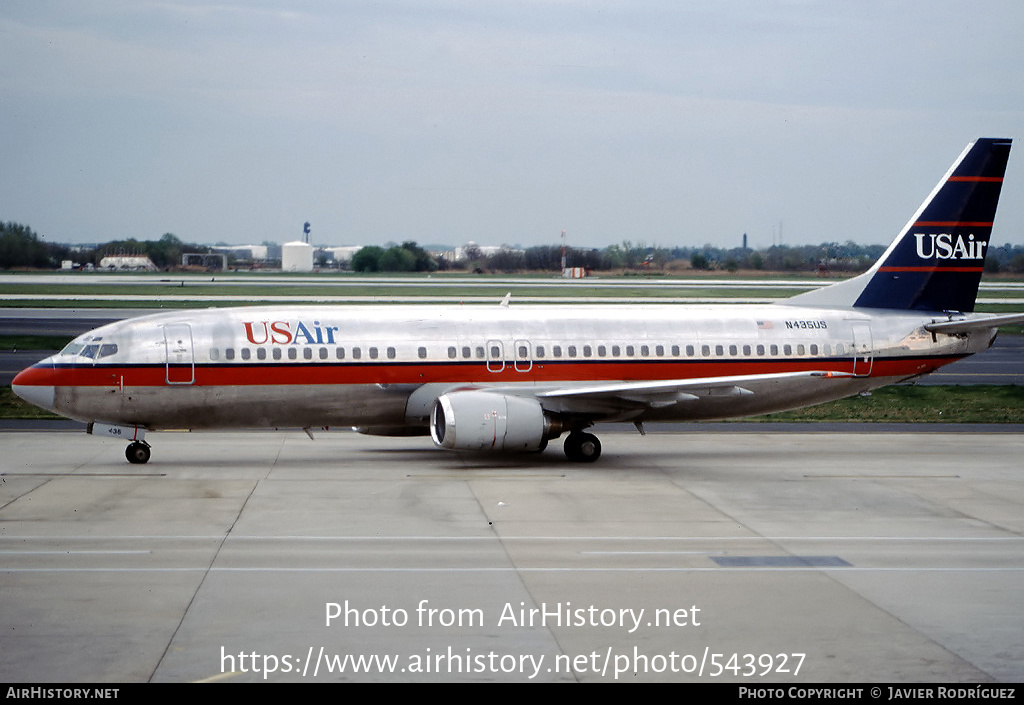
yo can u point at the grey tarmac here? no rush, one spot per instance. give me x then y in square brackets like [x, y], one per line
[694, 556]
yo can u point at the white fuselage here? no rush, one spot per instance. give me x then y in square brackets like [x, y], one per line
[301, 366]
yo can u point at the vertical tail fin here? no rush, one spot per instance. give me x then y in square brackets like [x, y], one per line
[935, 263]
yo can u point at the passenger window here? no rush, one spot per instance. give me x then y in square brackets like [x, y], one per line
[719, 351]
[323, 353]
[828, 349]
[356, 353]
[760, 350]
[840, 349]
[675, 350]
[373, 353]
[277, 353]
[690, 351]
[775, 350]
[229, 354]
[645, 350]
[787, 349]
[602, 351]
[799, 349]
[587, 351]
[572, 351]
[293, 354]
[814, 350]
[479, 352]
[540, 351]
[630, 352]
[523, 352]
[732, 350]
[659, 350]
[246, 353]
[261, 353]
[705, 350]
[339, 353]
[307, 353]
[466, 352]
[616, 351]
[214, 354]
[422, 352]
[746, 350]
[452, 353]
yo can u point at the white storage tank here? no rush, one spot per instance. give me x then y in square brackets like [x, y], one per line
[297, 257]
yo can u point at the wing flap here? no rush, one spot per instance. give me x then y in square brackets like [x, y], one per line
[666, 392]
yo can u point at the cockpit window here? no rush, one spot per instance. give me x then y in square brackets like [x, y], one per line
[89, 348]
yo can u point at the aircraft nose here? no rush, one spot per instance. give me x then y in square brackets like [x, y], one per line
[35, 385]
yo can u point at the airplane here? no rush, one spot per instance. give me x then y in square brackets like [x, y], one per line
[512, 378]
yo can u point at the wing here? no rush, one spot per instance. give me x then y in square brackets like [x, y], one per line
[525, 417]
[626, 398]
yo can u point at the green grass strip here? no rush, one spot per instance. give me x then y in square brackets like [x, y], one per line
[919, 404]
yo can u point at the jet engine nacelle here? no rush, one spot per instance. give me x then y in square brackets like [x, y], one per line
[480, 420]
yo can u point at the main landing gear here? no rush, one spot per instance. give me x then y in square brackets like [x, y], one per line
[137, 452]
[582, 447]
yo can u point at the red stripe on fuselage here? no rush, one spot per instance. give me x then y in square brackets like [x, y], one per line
[471, 373]
[979, 179]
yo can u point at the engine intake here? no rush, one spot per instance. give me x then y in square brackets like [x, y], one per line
[480, 420]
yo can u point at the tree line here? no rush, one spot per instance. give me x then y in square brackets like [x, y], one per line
[21, 247]
[848, 257]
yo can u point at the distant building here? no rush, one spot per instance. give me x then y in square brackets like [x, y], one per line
[342, 254]
[212, 261]
[138, 263]
[471, 250]
[296, 257]
[253, 253]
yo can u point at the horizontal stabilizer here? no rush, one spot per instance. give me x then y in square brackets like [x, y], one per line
[966, 325]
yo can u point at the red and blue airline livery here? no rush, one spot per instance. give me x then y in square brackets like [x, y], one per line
[510, 378]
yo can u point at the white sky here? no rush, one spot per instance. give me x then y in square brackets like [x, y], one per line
[661, 122]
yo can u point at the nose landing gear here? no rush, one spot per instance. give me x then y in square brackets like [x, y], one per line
[137, 452]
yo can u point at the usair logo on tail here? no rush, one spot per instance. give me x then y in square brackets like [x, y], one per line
[949, 246]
